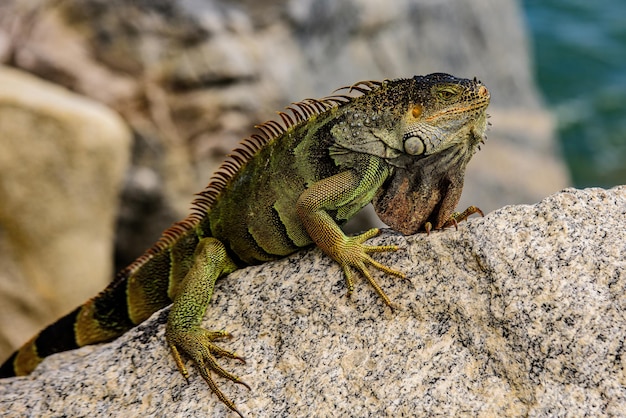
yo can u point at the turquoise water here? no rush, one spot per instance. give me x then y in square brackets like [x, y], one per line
[580, 61]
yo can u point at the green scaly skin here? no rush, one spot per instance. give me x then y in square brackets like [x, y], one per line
[401, 144]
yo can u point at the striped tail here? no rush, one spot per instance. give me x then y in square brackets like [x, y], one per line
[55, 338]
[127, 301]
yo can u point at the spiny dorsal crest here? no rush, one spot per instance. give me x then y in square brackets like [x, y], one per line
[300, 113]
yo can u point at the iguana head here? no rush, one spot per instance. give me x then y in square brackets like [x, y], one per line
[442, 123]
[444, 111]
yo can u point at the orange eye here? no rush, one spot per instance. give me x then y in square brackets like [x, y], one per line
[417, 111]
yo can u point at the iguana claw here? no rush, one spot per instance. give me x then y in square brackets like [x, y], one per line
[457, 217]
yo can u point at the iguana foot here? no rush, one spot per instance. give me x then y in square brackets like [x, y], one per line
[353, 254]
[197, 344]
[455, 218]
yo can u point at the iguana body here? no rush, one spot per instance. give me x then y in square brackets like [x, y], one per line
[401, 144]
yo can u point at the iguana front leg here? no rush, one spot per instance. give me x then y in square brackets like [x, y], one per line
[183, 332]
[340, 192]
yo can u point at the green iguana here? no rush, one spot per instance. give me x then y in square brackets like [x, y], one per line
[402, 144]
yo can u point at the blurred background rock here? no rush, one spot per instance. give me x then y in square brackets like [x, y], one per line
[191, 78]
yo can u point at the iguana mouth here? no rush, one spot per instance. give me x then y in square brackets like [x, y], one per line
[462, 110]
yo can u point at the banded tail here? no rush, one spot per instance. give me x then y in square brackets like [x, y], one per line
[115, 310]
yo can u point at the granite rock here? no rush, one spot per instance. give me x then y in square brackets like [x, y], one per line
[519, 313]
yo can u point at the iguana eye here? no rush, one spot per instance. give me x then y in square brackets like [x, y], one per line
[416, 112]
[446, 94]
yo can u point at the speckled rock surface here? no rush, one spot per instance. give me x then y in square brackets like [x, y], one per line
[520, 313]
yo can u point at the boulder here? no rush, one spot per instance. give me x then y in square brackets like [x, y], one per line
[519, 313]
[62, 160]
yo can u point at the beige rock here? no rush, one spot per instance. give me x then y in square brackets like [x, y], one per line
[62, 159]
[519, 313]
